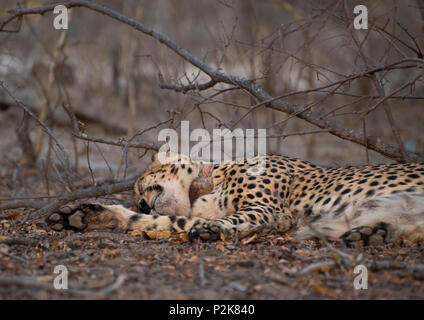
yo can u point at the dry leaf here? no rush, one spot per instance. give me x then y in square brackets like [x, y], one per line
[14, 216]
[46, 277]
[193, 259]
[303, 251]
[40, 231]
[221, 247]
[249, 240]
[155, 235]
[222, 236]
[320, 289]
[325, 268]
[136, 233]
[180, 236]
[403, 241]
[397, 280]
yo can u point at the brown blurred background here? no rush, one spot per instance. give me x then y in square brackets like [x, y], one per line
[112, 76]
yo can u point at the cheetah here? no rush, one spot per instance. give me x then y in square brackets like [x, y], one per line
[373, 204]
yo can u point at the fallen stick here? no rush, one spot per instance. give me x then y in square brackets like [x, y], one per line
[26, 282]
[93, 192]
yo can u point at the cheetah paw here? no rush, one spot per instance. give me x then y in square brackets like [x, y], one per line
[208, 231]
[84, 217]
[368, 236]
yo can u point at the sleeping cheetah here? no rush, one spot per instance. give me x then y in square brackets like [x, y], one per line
[370, 204]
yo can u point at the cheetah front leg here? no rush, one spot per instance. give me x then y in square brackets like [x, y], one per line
[88, 217]
[248, 216]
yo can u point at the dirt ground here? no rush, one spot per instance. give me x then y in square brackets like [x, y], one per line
[104, 265]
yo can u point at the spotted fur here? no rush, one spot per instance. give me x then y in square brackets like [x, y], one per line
[373, 204]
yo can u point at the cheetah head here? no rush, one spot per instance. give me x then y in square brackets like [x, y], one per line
[170, 186]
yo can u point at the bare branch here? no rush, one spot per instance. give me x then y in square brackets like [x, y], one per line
[22, 204]
[190, 87]
[116, 142]
[251, 87]
[98, 191]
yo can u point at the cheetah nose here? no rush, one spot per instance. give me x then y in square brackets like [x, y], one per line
[144, 207]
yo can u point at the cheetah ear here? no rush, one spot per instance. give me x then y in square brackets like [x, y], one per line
[159, 158]
[155, 162]
[202, 185]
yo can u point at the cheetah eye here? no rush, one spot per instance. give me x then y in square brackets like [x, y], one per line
[155, 187]
[149, 197]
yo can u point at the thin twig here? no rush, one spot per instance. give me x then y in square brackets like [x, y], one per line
[116, 142]
[46, 129]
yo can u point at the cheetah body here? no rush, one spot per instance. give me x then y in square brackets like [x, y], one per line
[369, 203]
